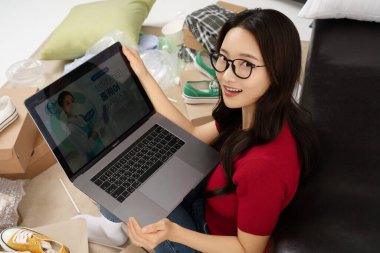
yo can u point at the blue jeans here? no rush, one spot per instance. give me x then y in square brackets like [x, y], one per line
[189, 214]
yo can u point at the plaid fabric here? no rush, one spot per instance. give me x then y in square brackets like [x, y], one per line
[205, 24]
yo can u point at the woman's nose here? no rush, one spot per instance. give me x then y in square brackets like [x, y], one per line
[228, 74]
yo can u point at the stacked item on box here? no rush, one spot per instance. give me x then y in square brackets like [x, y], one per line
[203, 38]
[204, 25]
[202, 91]
[8, 112]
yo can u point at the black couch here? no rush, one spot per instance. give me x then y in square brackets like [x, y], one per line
[337, 209]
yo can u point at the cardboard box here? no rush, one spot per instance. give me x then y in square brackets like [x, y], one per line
[189, 39]
[42, 158]
[17, 140]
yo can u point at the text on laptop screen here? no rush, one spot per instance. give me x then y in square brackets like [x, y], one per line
[93, 111]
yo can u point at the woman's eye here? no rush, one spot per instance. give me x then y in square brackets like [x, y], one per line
[248, 64]
[222, 57]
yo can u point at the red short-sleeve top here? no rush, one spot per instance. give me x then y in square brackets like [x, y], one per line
[266, 179]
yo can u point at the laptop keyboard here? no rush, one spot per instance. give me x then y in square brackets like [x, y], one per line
[132, 167]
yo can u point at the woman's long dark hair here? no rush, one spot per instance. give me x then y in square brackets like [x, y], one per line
[280, 47]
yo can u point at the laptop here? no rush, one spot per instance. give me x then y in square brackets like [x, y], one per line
[104, 132]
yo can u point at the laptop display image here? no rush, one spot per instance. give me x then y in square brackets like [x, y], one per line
[112, 145]
[92, 112]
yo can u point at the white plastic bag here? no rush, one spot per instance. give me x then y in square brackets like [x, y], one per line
[162, 66]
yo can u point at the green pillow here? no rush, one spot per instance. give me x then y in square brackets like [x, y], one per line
[87, 23]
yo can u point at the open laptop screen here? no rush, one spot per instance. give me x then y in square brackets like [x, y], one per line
[86, 111]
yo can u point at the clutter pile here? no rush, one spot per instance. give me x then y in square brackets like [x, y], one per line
[200, 30]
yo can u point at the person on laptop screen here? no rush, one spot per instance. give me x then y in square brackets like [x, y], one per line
[80, 126]
[266, 143]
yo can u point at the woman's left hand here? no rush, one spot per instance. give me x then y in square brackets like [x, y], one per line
[151, 235]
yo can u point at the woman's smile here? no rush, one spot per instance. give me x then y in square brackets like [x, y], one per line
[231, 91]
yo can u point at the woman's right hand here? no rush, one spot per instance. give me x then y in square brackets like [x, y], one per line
[136, 62]
[151, 235]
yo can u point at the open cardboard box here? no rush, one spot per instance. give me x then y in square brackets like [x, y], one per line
[17, 140]
[42, 158]
[189, 39]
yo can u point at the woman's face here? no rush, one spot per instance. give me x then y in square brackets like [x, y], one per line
[67, 104]
[237, 92]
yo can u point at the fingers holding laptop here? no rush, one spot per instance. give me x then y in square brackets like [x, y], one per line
[136, 63]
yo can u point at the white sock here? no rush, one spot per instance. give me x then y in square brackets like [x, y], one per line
[104, 231]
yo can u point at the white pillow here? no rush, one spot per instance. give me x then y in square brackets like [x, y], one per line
[366, 10]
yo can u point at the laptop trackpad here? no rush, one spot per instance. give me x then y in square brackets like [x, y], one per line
[171, 183]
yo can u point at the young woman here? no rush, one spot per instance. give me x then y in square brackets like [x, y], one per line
[266, 140]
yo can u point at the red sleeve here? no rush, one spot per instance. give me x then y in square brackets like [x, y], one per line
[261, 196]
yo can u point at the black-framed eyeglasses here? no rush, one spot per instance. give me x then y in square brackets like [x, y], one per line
[241, 68]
